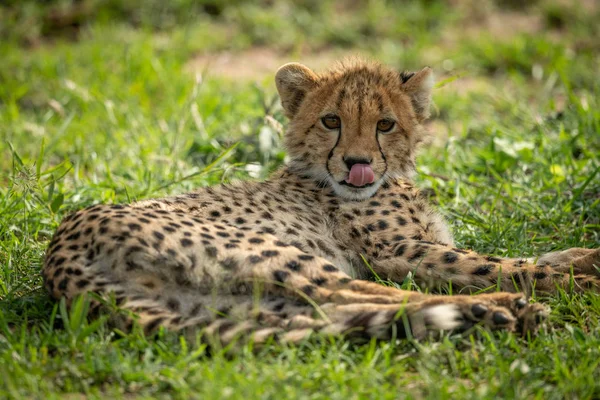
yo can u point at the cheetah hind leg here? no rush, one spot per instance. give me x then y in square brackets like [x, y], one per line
[225, 319]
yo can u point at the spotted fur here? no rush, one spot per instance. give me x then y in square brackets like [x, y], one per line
[284, 257]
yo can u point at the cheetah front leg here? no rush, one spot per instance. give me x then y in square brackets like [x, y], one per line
[435, 266]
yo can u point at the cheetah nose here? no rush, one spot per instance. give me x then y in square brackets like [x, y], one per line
[360, 175]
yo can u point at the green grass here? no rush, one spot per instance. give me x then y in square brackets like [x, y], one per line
[111, 113]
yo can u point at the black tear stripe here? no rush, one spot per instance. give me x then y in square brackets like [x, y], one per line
[339, 100]
[381, 152]
[333, 148]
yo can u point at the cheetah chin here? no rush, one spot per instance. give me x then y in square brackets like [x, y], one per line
[348, 191]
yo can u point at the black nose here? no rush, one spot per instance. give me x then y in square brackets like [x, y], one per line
[350, 161]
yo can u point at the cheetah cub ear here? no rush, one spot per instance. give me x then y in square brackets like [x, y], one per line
[293, 81]
[418, 86]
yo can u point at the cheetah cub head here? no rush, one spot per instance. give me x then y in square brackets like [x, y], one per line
[355, 126]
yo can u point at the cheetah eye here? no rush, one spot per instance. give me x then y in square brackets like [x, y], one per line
[331, 122]
[385, 125]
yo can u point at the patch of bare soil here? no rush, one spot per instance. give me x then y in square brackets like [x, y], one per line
[258, 62]
[502, 24]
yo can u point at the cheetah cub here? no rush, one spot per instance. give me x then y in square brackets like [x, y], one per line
[286, 257]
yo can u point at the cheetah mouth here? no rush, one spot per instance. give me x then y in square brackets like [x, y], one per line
[361, 175]
[366, 185]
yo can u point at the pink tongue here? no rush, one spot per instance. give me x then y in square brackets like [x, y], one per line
[360, 175]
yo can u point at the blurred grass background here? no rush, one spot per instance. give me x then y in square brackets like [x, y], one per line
[113, 101]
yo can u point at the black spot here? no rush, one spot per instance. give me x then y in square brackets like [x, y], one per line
[279, 306]
[223, 234]
[152, 325]
[240, 220]
[254, 259]
[280, 275]
[196, 309]
[460, 251]
[400, 250]
[63, 284]
[329, 268]
[292, 232]
[375, 203]
[135, 227]
[306, 257]
[186, 242]
[396, 204]
[450, 257]
[207, 236]
[401, 220]
[493, 259]
[319, 281]
[484, 269]
[308, 289]
[293, 265]
[297, 245]
[82, 283]
[59, 261]
[540, 275]
[270, 253]
[173, 305]
[324, 248]
[211, 251]
[74, 236]
[370, 212]
[382, 224]
[399, 238]
[169, 229]
[158, 235]
[361, 319]
[419, 253]
[255, 240]
[344, 281]
[215, 214]
[267, 215]
[225, 326]
[279, 243]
